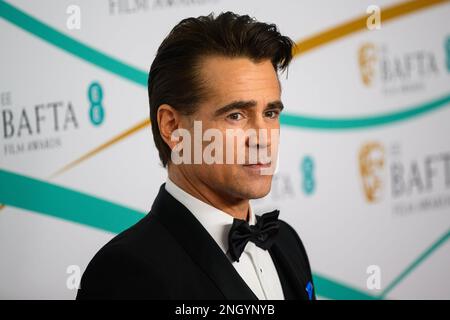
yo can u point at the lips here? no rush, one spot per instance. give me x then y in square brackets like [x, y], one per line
[258, 165]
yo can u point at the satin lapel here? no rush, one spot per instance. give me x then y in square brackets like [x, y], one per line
[198, 244]
[293, 287]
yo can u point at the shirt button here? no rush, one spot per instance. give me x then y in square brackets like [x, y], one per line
[260, 270]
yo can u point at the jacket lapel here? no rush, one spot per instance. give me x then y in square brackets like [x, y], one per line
[293, 287]
[198, 243]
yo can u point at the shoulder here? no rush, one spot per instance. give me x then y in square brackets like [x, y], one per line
[289, 233]
[123, 268]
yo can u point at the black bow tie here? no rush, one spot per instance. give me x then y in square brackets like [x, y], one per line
[262, 233]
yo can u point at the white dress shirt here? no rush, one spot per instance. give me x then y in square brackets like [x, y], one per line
[255, 265]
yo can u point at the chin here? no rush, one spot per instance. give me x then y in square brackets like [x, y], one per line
[257, 190]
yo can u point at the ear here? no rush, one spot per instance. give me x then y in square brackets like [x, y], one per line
[168, 121]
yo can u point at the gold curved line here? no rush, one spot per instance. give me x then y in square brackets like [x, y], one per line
[359, 23]
[103, 146]
[301, 47]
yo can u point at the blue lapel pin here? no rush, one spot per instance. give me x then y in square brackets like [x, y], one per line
[309, 289]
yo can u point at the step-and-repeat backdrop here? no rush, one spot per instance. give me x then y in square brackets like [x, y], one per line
[364, 173]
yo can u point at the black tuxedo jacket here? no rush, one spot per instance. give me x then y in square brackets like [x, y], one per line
[169, 255]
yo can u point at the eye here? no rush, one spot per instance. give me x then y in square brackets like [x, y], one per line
[273, 114]
[235, 116]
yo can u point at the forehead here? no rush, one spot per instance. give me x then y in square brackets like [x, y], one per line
[240, 79]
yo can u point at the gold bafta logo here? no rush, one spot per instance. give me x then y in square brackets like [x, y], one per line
[371, 168]
[367, 57]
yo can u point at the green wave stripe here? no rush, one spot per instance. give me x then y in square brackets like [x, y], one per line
[440, 241]
[70, 45]
[364, 122]
[64, 203]
[121, 69]
[332, 289]
[35, 195]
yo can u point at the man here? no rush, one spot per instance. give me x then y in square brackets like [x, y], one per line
[201, 238]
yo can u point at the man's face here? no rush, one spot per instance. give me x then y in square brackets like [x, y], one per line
[254, 91]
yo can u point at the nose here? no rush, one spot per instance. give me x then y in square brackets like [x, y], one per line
[260, 135]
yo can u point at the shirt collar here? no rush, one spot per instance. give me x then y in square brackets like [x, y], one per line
[215, 221]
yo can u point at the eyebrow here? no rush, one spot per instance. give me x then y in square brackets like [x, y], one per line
[241, 104]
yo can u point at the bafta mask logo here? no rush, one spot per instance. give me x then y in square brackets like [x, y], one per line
[371, 167]
[367, 57]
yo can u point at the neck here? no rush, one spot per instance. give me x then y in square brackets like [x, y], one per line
[237, 208]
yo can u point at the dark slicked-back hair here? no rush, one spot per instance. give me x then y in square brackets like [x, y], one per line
[174, 77]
